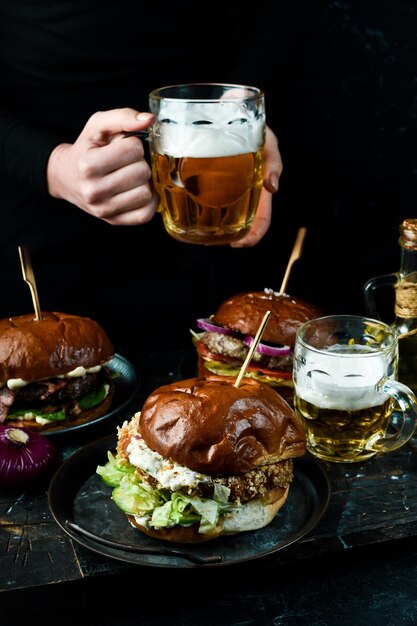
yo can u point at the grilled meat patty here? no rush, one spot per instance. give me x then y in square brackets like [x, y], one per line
[235, 348]
[243, 487]
[51, 392]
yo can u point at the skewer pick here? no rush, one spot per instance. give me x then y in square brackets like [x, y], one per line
[295, 255]
[29, 278]
[252, 348]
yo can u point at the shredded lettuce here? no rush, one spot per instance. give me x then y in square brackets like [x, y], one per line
[161, 507]
[113, 471]
[195, 336]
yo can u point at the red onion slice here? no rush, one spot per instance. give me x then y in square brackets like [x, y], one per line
[205, 323]
[269, 350]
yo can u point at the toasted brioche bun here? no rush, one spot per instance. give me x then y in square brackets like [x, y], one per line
[252, 515]
[36, 351]
[213, 427]
[57, 344]
[244, 313]
[238, 433]
[88, 415]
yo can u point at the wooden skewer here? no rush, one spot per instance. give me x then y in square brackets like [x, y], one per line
[252, 348]
[295, 255]
[29, 278]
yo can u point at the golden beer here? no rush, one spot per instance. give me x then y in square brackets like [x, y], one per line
[207, 166]
[343, 435]
[345, 388]
[209, 200]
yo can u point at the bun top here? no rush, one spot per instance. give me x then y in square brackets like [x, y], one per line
[213, 427]
[33, 349]
[244, 313]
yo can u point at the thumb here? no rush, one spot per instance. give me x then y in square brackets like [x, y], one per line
[103, 126]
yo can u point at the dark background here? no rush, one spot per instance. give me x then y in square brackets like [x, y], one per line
[347, 132]
[350, 149]
[342, 98]
[346, 123]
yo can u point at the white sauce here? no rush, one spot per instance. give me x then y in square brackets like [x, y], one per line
[169, 474]
[82, 371]
[16, 383]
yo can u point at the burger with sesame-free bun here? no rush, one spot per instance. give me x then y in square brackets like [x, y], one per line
[224, 339]
[53, 370]
[205, 459]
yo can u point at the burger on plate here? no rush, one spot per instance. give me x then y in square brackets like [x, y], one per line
[53, 370]
[205, 458]
[223, 340]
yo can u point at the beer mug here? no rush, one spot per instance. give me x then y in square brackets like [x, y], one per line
[206, 152]
[346, 393]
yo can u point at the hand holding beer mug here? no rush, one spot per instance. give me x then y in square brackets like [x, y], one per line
[346, 392]
[206, 150]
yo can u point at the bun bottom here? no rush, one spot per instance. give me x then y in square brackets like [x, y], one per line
[252, 515]
[76, 420]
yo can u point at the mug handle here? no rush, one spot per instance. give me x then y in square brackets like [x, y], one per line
[388, 280]
[408, 405]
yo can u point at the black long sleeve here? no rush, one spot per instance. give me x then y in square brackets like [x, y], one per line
[62, 61]
[24, 151]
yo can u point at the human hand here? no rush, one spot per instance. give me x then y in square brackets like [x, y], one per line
[272, 173]
[105, 173]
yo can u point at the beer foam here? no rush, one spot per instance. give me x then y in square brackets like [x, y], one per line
[208, 129]
[341, 381]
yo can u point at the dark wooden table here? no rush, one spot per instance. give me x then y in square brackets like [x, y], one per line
[364, 547]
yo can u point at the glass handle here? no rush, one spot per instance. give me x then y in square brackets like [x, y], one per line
[408, 404]
[388, 280]
[142, 134]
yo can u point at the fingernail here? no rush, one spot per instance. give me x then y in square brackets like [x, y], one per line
[273, 181]
[144, 116]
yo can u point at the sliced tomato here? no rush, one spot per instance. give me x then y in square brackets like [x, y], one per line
[280, 373]
[205, 353]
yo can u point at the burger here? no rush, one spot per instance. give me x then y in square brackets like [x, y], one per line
[53, 370]
[223, 340]
[205, 459]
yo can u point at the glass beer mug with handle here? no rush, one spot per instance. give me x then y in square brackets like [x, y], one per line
[405, 311]
[206, 152]
[345, 388]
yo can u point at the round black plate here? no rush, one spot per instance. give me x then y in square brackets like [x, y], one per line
[78, 494]
[126, 385]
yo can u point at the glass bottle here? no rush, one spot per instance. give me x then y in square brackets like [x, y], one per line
[405, 284]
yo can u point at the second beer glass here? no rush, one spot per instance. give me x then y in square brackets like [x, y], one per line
[346, 392]
[206, 150]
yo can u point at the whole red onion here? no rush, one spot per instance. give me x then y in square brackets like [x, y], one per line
[24, 455]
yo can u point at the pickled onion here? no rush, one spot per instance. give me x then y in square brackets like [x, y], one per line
[205, 323]
[267, 349]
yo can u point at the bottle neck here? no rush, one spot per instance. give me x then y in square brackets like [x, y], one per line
[406, 287]
[408, 264]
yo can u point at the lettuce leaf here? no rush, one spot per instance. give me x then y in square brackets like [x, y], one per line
[161, 507]
[89, 401]
[33, 413]
[94, 398]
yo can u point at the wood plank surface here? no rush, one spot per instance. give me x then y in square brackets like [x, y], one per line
[371, 502]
